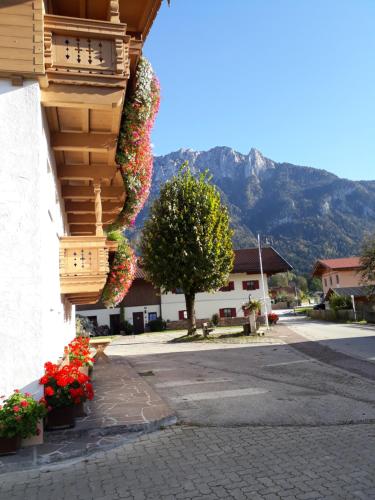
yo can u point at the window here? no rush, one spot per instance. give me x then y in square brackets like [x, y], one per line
[227, 312]
[250, 285]
[182, 315]
[178, 290]
[325, 281]
[330, 280]
[152, 316]
[337, 279]
[228, 287]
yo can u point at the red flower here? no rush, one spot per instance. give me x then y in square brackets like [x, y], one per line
[49, 391]
[24, 404]
[16, 408]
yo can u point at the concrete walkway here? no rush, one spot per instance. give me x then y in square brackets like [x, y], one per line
[124, 407]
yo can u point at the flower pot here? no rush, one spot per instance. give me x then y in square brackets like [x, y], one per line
[34, 440]
[60, 418]
[79, 410]
[9, 446]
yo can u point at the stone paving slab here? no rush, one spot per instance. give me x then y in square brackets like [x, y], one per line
[124, 407]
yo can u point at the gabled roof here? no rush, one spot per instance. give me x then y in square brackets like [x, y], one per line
[345, 263]
[356, 291]
[247, 261]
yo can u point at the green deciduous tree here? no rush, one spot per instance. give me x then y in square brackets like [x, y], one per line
[368, 262]
[187, 243]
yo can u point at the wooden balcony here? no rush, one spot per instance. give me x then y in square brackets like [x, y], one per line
[86, 52]
[84, 267]
[87, 69]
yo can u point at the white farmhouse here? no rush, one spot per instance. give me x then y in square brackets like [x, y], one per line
[244, 282]
[64, 73]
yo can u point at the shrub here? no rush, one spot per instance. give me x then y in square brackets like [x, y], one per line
[126, 327]
[20, 414]
[337, 302]
[84, 327]
[157, 325]
[215, 319]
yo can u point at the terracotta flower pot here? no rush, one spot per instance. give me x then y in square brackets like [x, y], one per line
[60, 418]
[9, 446]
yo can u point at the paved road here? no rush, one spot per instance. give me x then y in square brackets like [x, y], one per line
[318, 441]
[354, 340]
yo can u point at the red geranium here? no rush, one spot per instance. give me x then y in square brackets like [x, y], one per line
[65, 386]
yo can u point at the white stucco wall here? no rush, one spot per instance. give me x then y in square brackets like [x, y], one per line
[35, 321]
[103, 315]
[207, 304]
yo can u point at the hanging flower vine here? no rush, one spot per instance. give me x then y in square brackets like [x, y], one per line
[134, 152]
[134, 156]
[122, 271]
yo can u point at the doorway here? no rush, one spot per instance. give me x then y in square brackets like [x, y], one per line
[138, 322]
[114, 323]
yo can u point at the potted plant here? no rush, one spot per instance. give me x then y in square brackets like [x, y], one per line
[78, 352]
[250, 309]
[273, 318]
[63, 389]
[19, 418]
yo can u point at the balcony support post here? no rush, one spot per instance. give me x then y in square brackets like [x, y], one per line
[98, 209]
[113, 11]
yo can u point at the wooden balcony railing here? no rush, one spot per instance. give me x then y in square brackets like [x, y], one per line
[84, 267]
[86, 52]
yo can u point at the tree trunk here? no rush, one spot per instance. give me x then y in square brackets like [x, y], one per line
[190, 310]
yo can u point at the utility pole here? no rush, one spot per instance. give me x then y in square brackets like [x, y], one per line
[263, 283]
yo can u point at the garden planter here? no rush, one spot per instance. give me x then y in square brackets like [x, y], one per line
[34, 440]
[60, 418]
[79, 410]
[9, 446]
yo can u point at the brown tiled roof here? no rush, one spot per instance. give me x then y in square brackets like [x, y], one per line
[343, 263]
[139, 273]
[247, 261]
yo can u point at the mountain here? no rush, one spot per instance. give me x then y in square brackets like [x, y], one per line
[306, 213]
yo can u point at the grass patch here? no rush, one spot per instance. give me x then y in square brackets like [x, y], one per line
[226, 338]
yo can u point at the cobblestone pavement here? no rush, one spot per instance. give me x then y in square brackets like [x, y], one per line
[329, 462]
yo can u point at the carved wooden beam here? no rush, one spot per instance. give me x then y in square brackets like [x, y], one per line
[80, 192]
[77, 207]
[96, 143]
[86, 172]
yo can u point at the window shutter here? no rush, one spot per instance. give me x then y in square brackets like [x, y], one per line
[181, 315]
[221, 313]
[256, 285]
[244, 285]
[233, 312]
[231, 285]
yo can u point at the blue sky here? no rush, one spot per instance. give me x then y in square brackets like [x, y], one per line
[292, 78]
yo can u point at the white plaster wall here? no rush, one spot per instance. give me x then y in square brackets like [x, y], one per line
[207, 304]
[35, 321]
[103, 315]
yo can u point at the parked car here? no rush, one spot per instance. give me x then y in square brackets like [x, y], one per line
[320, 306]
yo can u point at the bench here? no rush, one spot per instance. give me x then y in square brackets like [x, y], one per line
[207, 329]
